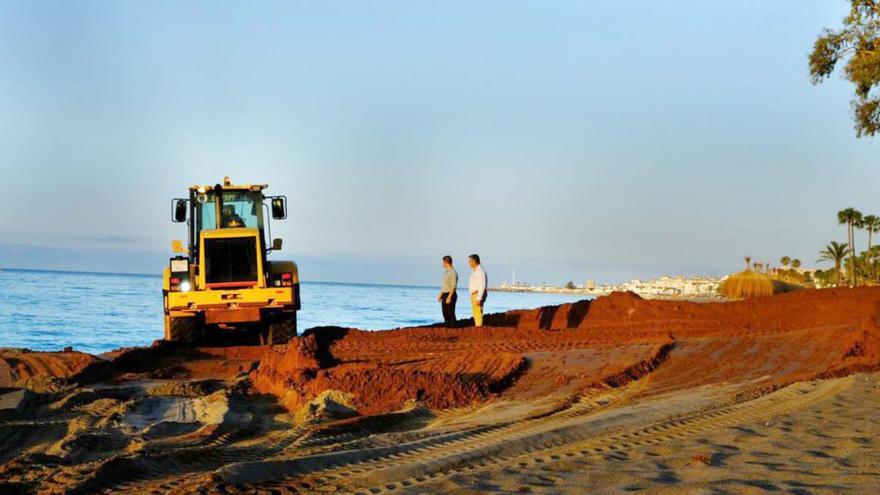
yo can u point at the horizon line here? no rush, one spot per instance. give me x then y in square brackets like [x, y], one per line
[134, 274]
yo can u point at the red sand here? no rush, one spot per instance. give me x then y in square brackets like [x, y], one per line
[559, 351]
[188, 420]
[564, 350]
[384, 381]
[19, 365]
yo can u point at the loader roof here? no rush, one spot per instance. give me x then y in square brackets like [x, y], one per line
[227, 184]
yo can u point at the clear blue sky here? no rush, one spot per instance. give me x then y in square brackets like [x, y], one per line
[573, 140]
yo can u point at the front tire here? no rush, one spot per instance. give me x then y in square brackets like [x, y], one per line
[281, 329]
[186, 329]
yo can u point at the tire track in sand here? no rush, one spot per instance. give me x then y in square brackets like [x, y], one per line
[571, 433]
[161, 473]
[789, 398]
[341, 463]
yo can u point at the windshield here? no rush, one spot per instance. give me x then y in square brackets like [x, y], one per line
[240, 209]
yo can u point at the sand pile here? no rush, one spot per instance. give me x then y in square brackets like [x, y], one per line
[620, 314]
[568, 349]
[774, 340]
[34, 370]
[308, 366]
[163, 361]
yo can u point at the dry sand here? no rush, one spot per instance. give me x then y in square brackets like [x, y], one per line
[620, 394]
[811, 443]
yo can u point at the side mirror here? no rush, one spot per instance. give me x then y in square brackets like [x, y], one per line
[279, 208]
[179, 210]
[276, 244]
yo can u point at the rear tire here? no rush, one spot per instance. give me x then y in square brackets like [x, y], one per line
[185, 329]
[281, 329]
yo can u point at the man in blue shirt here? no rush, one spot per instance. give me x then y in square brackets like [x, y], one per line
[448, 296]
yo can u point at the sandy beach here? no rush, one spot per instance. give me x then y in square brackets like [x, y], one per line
[619, 394]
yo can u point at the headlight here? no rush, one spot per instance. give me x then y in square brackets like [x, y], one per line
[184, 286]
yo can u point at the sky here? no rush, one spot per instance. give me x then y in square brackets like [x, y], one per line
[569, 140]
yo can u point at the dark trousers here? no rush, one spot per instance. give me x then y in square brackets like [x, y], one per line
[449, 309]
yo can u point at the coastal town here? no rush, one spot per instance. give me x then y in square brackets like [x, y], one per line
[665, 287]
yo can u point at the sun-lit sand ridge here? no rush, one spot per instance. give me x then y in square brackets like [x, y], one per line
[618, 393]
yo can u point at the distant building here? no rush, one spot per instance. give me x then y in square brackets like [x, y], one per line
[666, 286]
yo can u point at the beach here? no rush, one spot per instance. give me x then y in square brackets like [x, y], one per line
[372, 248]
[615, 394]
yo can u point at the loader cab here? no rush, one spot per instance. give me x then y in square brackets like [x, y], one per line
[219, 207]
[236, 209]
[228, 229]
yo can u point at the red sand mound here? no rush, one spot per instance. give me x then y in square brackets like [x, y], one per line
[565, 350]
[165, 360]
[305, 368]
[768, 341]
[17, 365]
[624, 313]
[556, 351]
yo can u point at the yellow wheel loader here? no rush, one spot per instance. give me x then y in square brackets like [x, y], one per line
[222, 282]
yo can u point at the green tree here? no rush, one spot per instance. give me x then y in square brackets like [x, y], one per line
[857, 45]
[870, 258]
[824, 278]
[850, 217]
[785, 260]
[748, 263]
[795, 263]
[870, 224]
[570, 285]
[835, 252]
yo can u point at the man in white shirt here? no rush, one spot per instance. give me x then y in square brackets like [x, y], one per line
[477, 286]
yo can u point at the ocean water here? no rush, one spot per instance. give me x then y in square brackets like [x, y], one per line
[96, 312]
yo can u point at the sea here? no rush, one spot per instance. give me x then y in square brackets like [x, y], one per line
[99, 312]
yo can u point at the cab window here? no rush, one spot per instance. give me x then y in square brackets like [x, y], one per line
[241, 209]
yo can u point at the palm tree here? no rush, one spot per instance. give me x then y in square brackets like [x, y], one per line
[850, 217]
[795, 263]
[871, 258]
[785, 260]
[835, 252]
[871, 224]
[748, 262]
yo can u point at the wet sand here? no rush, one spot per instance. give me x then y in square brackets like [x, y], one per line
[617, 394]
